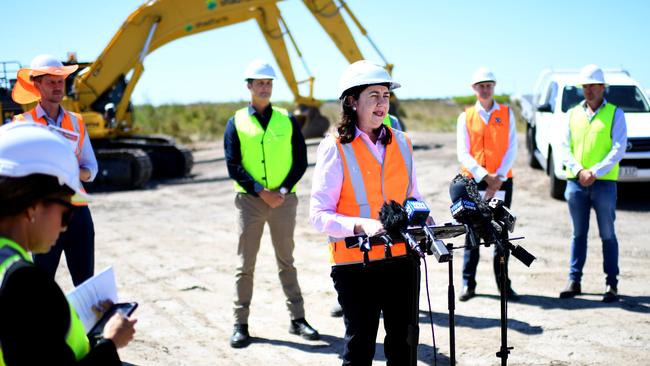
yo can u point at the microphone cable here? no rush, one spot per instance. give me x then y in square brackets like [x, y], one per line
[433, 335]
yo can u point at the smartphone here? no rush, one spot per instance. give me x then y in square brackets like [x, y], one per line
[124, 308]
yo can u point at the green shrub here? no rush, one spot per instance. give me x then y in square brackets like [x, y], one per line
[207, 121]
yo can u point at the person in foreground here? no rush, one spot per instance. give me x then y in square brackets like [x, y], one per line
[356, 172]
[39, 173]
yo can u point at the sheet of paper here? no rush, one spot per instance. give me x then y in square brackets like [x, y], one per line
[500, 195]
[71, 136]
[94, 290]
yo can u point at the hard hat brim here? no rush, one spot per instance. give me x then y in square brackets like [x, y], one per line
[393, 85]
[260, 77]
[474, 82]
[589, 81]
[24, 91]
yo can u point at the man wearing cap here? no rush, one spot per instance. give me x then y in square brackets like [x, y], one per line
[486, 145]
[594, 143]
[266, 156]
[44, 81]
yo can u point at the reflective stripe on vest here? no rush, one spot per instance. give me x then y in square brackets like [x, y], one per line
[72, 122]
[76, 338]
[592, 141]
[267, 155]
[367, 184]
[488, 143]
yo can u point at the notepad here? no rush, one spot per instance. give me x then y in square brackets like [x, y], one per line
[94, 290]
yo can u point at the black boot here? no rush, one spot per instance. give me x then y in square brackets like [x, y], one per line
[302, 328]
[572, 289]
[611, 294]
[240, 337]
[467, 293]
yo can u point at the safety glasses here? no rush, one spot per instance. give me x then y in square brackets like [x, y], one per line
[66, 215]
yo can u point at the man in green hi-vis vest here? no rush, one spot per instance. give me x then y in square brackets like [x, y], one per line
[594, 142]
[266, 157]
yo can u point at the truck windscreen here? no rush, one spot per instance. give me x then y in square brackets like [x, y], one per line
[627, 97]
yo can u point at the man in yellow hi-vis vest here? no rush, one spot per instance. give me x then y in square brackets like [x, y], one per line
[266, 157]
[594, 142]
[44, 81]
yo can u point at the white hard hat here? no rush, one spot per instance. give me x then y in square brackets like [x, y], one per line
[29, 148]
[365, 72]
[591, 74]
[259, 69]
[483, 74]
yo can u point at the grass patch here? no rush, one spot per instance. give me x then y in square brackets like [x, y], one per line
[207, 121]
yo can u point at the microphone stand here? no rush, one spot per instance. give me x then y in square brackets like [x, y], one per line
[504, 350]
[414, 330]
[451, 306]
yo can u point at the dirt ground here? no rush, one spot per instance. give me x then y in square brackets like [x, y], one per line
[173, 250]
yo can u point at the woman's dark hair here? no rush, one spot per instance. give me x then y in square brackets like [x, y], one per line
[18, 194]
[349, 120]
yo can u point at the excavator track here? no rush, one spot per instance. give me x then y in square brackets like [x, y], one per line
[167, 159]
[121, 169]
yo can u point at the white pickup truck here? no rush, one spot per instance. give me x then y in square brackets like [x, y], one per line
[546, 117]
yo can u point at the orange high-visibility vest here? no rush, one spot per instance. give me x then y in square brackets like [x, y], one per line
[367, 184]
[489, 143]
[72, 122]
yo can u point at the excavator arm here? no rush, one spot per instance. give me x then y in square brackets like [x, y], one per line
[101, 91]
[158, 22]
[152, 25]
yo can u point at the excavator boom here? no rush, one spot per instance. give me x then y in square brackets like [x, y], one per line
[101, 90]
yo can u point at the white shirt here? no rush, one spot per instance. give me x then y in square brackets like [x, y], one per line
[463, 145]
[619, 142]
[327, 184]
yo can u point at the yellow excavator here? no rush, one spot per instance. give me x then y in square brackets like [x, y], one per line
[101, 92]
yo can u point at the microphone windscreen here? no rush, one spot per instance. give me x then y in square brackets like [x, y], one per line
[458, 189]
[393, 217]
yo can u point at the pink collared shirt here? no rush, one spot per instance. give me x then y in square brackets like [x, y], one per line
[327, 184]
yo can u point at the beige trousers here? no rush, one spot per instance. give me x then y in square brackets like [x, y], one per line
[253, 214]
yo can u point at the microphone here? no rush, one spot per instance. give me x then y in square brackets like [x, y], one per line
[469, 208]
[417, 213]
[395, 220]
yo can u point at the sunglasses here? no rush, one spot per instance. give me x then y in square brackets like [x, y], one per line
[66, 215]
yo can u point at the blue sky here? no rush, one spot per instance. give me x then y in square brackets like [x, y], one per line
[435, 45]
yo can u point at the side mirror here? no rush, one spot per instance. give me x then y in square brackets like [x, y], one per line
[546, 107]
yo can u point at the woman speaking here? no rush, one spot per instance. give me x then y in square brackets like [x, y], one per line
[365, 165]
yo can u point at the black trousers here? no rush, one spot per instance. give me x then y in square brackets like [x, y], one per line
[365, 292]
[471, 257]
[78, 243]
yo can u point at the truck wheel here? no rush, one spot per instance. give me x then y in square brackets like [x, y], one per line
[531, 147]
[557, 185]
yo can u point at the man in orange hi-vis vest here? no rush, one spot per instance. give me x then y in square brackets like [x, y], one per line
[486, 147]
[44, 82]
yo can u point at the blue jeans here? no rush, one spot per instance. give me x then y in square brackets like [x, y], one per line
[602, 197]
